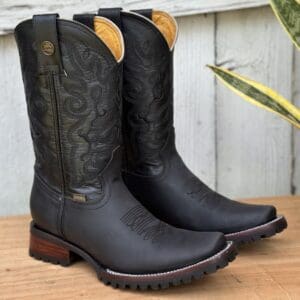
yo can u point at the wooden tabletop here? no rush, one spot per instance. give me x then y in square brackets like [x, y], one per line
[268, 269]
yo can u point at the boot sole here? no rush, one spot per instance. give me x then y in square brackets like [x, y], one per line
[49, 248]
[259, 232]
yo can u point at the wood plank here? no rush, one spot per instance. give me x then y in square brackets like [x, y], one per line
[296, 93]
[254, 146]
[16, 155]
[268, 269]
[194, 95]
[13, 11]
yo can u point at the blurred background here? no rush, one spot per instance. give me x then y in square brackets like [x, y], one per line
[236, 148]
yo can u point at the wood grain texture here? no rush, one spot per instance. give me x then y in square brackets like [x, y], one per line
[254, 146]
[268, 269]
[194, 95]
[296, 133]
[13, 11]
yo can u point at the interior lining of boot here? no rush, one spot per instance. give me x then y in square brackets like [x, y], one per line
[166, 25]
[111, 36]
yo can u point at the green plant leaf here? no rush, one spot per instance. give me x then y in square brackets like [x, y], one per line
[288, 13]
[258, 94]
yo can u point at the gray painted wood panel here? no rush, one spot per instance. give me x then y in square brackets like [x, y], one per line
[194, 95]
[254, 146]
[16, 154]
[13, 11]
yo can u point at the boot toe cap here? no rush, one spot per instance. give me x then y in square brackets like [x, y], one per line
[267, 213]
[251, 216]
[195, 247]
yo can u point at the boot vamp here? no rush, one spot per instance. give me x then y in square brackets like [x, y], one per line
[181, 199]
[122, 235]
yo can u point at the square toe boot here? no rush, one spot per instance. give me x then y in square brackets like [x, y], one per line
[153, 170]
[80, 206]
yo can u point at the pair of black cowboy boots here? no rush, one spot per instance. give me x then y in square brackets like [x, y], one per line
[109, 185]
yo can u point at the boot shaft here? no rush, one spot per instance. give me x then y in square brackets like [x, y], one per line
[147, 95]
[147, 87]
[73, 92]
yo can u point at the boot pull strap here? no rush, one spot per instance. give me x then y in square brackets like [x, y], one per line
[144, 12]
[113, 14]
[86, 19]
[46, 39]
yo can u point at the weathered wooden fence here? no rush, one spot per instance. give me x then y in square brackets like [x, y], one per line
[236, 148]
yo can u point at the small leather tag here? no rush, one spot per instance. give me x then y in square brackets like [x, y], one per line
[79, 198]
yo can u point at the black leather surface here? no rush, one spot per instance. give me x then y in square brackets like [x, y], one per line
[86, 19]
[45, 29]
[144, 12]
[75, 118]
[153, 170]
[114, 14]
[147, 95]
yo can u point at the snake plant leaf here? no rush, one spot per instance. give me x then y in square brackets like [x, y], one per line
[259, 95]
[288, 13]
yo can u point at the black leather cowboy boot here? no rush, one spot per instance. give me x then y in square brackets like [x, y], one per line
[153, 170]
[79, 203]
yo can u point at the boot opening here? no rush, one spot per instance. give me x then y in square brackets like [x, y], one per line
[111, 36]
[166, 25]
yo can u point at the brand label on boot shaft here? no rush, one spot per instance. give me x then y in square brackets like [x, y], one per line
[79, 198]
[47, 48]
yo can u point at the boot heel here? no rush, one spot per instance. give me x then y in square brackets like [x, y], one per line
[49, 251]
